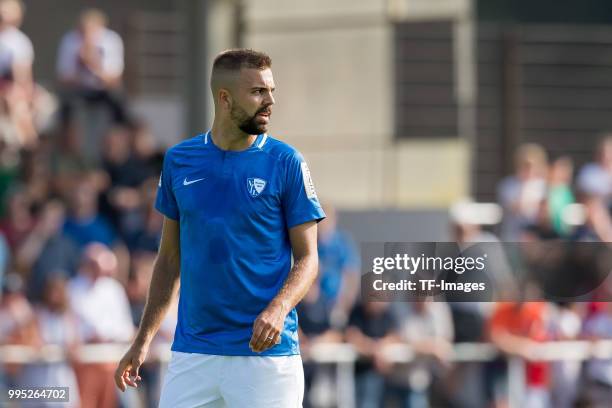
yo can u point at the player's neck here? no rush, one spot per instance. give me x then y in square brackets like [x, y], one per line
[230, 138]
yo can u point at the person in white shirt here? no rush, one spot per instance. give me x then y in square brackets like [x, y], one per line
[101, 306]
[16, 50]
[90, 65]
[99, 300]
[17, 88]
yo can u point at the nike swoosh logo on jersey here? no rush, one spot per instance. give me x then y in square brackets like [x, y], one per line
[186, 183]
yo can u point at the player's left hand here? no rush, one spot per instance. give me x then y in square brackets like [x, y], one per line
[268, 327]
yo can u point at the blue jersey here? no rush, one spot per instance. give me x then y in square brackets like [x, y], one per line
[235, 209]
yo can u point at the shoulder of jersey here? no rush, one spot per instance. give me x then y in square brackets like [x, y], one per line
[280, 149]
[191, 143]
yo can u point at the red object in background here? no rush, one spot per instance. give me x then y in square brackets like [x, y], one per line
[526, 320]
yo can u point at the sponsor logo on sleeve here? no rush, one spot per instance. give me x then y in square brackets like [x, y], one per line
[308, 184]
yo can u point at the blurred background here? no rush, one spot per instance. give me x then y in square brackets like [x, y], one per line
[421, 120]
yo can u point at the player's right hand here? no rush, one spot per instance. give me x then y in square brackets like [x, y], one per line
[127, 370]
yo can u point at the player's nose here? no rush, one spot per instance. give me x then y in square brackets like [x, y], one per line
[269, 99]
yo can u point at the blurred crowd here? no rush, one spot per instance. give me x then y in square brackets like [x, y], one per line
[541, 202]
[78, 232]
[78, 238]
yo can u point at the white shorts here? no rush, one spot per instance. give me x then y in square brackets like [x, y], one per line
[196, 380]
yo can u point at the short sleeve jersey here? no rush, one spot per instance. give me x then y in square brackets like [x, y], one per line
[234, 209]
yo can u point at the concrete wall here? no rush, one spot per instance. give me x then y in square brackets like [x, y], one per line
[333, 68]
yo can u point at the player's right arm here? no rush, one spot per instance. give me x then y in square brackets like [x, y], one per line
[164, 284]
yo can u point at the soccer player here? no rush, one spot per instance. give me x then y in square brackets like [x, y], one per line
[237, 203]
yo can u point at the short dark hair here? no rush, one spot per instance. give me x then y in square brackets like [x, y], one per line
[237, 58]
[233, 60]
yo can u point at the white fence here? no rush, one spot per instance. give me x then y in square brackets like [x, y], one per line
[344, 357]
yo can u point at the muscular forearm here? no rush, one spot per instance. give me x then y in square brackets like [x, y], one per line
[161, 292]
[301, 276]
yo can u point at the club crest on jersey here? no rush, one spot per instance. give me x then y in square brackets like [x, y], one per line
[255, 186]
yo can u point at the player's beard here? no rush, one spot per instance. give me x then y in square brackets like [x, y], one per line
[246, 123]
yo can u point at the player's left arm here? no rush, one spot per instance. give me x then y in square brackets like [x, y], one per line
[269, 324]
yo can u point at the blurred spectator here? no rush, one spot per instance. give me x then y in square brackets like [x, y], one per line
[598, 372]
[427, 328]
[144, 147]
[371, 326]
[90, 66]
[46, 250]
[125, 167]
[19, 221]
[101, 305]
[137, 289]
[141, 271]
[35, 176]
[56, 325]
[98, 299]
[16, 50]
[467, 218]
[10, 168]
[145, 233]
[521, 195]
[565, 374]
[16, 314]
[514, 328]
[4, 259]
[68, 164]
[316, 328]
[17, 324]
[16, 84]
[127, 172]
[594, 185]
[560, 194]
[595, 178]
[84, 224]
[338, 268]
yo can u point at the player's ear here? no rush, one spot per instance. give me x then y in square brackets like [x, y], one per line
[225, 99]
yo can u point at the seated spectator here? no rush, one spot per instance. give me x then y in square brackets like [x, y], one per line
[103, 315]
[371, 326]
[521, 194]
[90, 66]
